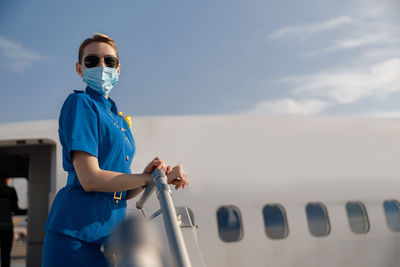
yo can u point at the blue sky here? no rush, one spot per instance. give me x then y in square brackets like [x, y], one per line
[331, 57]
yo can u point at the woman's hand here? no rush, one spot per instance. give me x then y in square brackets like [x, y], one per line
[156, 163]
[176, 176]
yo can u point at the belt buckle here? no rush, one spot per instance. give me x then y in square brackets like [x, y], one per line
[117, 199]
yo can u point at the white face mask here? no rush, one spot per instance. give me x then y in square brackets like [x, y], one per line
[101, 79]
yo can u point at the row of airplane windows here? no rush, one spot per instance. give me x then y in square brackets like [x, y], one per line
[230, 226]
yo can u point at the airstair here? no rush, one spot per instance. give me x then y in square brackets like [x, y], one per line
[133, 243]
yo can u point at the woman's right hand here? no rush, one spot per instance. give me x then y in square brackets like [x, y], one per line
[175, 175]
[156, 163]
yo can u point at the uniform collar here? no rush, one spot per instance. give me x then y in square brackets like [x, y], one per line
[109, 104]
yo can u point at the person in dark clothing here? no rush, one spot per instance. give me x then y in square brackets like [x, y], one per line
[8, 207]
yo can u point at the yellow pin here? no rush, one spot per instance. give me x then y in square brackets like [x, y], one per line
[128, 120]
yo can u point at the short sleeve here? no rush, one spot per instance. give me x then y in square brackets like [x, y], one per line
[78, 126]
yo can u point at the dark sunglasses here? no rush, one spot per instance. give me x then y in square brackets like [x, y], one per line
[92, 61]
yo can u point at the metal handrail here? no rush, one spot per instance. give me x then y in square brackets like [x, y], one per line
[175, 237]
[145, 196]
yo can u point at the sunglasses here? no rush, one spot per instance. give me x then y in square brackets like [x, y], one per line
[92, 61]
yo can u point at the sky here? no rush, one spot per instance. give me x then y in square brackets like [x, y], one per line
[331, 57]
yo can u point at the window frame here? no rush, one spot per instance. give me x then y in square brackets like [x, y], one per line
[285, 221]
[364, 213]
[240, 221]
[384, 211]
[326, 216]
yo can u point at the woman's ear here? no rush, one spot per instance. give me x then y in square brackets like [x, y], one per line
[79, 69]
[119, 68]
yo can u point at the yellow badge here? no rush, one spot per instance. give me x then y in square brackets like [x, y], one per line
[128, 119]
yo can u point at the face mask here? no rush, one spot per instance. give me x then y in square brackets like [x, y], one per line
[101, 79]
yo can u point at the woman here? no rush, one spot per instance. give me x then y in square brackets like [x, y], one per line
[97, 152]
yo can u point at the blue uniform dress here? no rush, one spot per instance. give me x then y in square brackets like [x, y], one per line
[79, 222]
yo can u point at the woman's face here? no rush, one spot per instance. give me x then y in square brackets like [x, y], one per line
[99, 49]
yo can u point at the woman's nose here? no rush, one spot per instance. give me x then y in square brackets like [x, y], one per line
[101, 63]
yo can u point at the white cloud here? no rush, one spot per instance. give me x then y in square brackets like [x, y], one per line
[370, 23]
[350, 85]
[369, 34]
[289, 106]
[379, 54]
[16, 57]
[388, 37]
[306, 30]
[372, 70]
[382, 38]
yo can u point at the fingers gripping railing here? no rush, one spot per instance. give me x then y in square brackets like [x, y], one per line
[175, 238]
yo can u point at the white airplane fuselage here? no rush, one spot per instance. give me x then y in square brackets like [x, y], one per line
[250, 161]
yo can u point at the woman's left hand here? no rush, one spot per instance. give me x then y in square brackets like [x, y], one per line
[176, 176]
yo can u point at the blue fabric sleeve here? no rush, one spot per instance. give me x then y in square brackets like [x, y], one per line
[79, 126]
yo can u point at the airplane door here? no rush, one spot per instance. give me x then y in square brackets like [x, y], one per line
[35, 163]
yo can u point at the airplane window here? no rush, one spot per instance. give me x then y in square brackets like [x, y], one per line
[358, 218]
[229, 220]
[392, 212]
[275, 221]
[318, 221]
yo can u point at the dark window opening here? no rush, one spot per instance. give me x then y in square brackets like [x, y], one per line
[358, 218]
[229, 220]
[318, 221]
[392, 212]
[275, 222]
